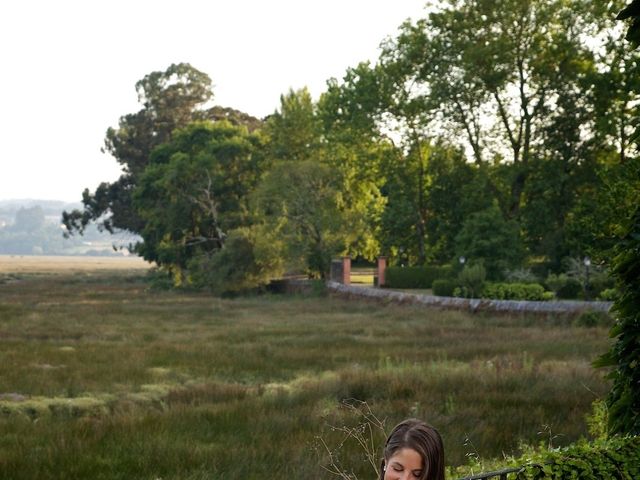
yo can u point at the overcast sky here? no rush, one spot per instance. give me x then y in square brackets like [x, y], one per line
[69, 69]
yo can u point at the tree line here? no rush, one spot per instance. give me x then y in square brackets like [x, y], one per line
[499, 131]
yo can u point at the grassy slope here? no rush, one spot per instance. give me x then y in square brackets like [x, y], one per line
[110, 380]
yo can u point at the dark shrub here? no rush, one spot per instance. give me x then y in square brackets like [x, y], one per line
[571, 289]
[592, 318]
[599, 282]
[564, 286]
[487, 236]
[415, 277]
[444, 287]
[159, 279]
[471, 281]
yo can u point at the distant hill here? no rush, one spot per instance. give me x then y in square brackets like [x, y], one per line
[33, 227]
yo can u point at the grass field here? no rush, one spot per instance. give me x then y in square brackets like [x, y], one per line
[102, 378]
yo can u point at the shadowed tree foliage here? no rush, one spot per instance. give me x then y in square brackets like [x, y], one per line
[195, 190]
[632, 12]
[534, 100]
[301, 204]
[489, 238]
[624, 356]
[624, 398]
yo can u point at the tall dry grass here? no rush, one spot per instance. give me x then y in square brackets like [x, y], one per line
[101, 377]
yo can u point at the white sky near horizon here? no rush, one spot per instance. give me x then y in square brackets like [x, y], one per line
[69, 69]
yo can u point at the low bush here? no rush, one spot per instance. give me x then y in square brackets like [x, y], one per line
[463, 292]
[591, 318]
[159, 279]
[599, 281]
[608, 295]
[416, 277]
[564, 286]
[247, 261]
[471, 281]
[444, 287]
[520, 275]
[616, 458]
[514, 291]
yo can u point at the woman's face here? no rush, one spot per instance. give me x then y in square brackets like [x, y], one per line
[405, 464]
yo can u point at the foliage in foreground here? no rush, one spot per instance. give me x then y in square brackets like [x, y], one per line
[617, 458]
[624, 356]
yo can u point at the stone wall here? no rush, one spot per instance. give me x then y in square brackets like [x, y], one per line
[508, 306]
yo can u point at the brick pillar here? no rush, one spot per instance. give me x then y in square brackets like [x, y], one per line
[346, 270]
[382, 266]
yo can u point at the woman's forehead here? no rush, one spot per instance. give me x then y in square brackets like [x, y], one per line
[408, 458]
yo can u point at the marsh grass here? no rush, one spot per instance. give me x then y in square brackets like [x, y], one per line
[102, 377]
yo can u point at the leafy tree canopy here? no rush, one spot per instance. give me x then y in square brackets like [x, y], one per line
[195, 191]
[170, 99]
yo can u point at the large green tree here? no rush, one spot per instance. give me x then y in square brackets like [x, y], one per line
[321, 197]
[487, 237]
[604, 182]
[300, 204]
[195, 191]
[494, 70]
[537, 94]
[377, 106]
[356, 151]
[170, 99]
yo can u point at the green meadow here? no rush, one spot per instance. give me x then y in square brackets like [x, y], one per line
[102, 377]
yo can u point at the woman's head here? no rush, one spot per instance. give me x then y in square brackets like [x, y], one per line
[413, 450]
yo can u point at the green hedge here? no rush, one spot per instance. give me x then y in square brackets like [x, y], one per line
[444, 287]
[415, 277]
[515, 291]
[564, 286]
[617, 458]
